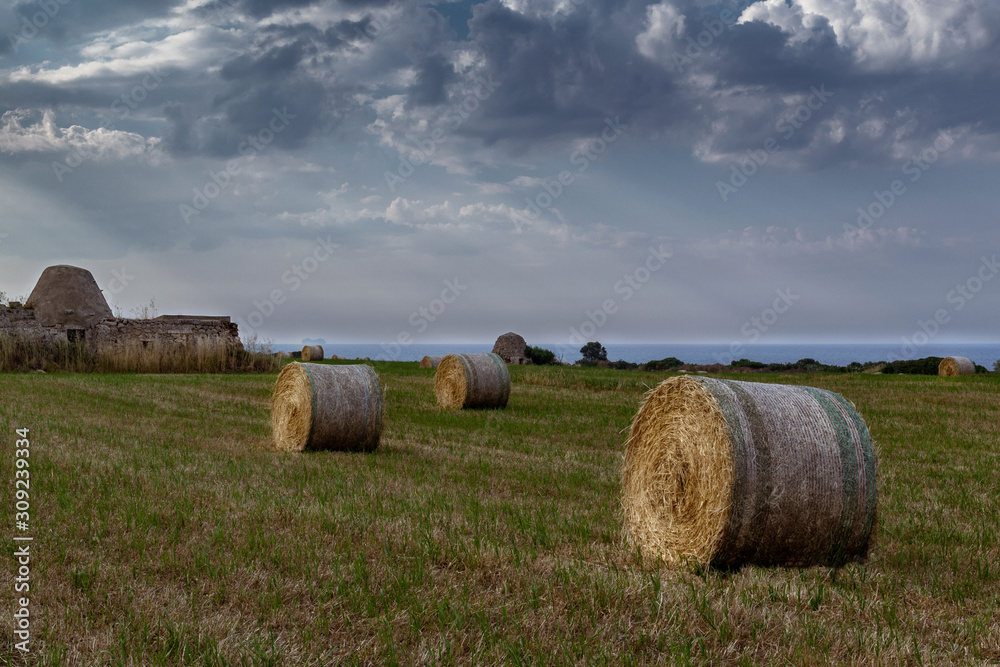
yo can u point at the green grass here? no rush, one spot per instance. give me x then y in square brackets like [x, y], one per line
[168, 531]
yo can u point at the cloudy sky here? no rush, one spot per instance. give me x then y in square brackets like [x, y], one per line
[361, 170]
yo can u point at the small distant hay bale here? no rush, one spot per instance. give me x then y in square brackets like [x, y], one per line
[430, 362]
[322, 407]
[283, 355]
[472, 381]
[312, 353]
[727, 473]
[955, 366]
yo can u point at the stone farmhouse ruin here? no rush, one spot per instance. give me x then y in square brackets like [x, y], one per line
[66, 305]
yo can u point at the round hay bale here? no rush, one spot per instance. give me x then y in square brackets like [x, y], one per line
[283, 355]
[472, 381]
[727, 473]
[312, 353]
[326, 407]
[430, 362]
[955, 366]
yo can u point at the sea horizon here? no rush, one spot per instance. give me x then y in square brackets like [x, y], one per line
[839, 354]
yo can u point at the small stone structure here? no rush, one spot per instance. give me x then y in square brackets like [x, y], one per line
[67, 305]
[68, 297]
[510, 347]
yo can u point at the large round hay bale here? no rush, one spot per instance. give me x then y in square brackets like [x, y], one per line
[430, 362]
[954, 366]
[326, 407]
[472, 381]
[312, 353]
[729, 473]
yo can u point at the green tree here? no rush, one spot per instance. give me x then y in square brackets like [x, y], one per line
[594, 351]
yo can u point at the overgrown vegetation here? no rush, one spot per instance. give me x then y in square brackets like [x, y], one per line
[18, 354]
[540, 356]
[168, 531]
[668, 364]
[926, 366]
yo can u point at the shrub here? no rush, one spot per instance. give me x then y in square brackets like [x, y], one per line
[540, 356]
[668, 364]
[925, 366]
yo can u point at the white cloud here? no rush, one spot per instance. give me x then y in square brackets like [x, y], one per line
[883, 34]
[775, 241]
[128, 55]
[33, 131]
[664, 26]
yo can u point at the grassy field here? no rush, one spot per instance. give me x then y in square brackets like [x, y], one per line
[168, 531]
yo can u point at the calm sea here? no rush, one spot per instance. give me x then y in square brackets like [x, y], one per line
[834, 354]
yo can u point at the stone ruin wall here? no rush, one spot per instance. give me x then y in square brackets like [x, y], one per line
[164, 331]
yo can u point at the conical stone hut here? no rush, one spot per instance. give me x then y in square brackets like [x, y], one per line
[511, 348]
[68, 297]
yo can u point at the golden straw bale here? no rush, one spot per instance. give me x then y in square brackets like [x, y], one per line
[472, 381]
[725, 472]
[955, 366]
[327, 407]
[312, 353]
[430, 362]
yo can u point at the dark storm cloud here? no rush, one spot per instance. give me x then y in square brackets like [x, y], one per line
[567, 77]
[366, 4]
[276, 61]
[677, 72]
[260, 9]
[433, 74]
[70, 19]
[726, 86]
[247, 112]
[336, 36]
